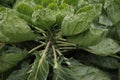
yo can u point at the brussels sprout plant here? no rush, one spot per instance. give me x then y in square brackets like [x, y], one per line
[59, 40]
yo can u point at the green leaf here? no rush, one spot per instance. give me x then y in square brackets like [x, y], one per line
[80, 22]
[91, 37]
[117, 1]
[44, 3]
[20, 74]
[14, 29]
[103, 61]
[106, 47]
[53, 6]
[7, 2]
[103, 19]
[40, 69]
[65, 9]
[71, 2]
[89, 73]
[44, 18]
[62, 73]
[25, 7]
[10, 59]
[96, 1]
[112, 10]
[117, 32]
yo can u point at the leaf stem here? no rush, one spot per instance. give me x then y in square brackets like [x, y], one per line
[40, 30]
[115, 56]
[63, 48]
[55, 55]
[37, 47]
[46, 48]
[66, 43]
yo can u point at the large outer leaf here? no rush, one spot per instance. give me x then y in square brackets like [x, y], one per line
[13, 29]
[62, 73]
[9, 60]
[20, 74]
[76, 24]
[82, 72]
[103, 61]
[89, 73]
[40, 69]
[88, 38]
[112, 10]
[44, 18]
[106, 47]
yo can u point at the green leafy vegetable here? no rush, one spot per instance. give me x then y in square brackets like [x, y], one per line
[88, 38]
[104, 62]
[9, 60]
[14, 29]
[112, 10]
[106, 47]
[19, 74]
[59, 39]
[44, 18]
[78, 23]
[89, 73]
[40, 68]
[105, 20]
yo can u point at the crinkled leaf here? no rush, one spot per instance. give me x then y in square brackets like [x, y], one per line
[112, 10]
[40, 69]
[53, 6]
[82, 72]
[10, 59]
[14, 29]
[62, 73]
[106, 47]
[103, 19]
[76, 24]
[20, 74]
[25, 7]
[88, 38]
[103, 61]
[65, 9]
[71, 2]
[44, 18]
[96, 1]
[89, 73]
[44, 3]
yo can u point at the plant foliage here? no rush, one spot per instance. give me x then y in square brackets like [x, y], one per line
[59, 40]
